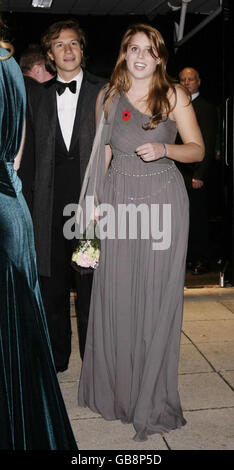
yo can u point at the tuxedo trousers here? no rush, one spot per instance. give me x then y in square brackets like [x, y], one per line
[56, 288]
[56, 296]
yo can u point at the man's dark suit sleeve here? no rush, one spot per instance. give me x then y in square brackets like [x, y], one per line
[207, 120]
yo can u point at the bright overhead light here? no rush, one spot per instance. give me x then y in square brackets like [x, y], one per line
[42, 3]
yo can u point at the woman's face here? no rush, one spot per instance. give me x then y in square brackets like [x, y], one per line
[140, 63]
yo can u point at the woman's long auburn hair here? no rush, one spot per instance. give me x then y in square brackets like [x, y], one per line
[120, 81]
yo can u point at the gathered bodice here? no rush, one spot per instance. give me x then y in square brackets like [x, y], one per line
[129, 176]
[128, 133]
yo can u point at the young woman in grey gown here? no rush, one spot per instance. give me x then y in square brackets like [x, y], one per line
[130, 368]
[32, 411]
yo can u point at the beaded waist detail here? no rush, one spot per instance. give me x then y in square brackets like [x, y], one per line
[118, 167]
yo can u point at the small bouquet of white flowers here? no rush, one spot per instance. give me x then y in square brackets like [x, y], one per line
[85, 258]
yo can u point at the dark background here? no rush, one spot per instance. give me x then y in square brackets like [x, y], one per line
[203, 51]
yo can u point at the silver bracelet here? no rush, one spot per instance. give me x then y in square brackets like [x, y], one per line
[165, 151]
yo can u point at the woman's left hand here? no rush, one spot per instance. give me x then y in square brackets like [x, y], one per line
[150, 152]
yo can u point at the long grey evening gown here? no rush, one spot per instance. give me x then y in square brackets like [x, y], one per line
[130, 368]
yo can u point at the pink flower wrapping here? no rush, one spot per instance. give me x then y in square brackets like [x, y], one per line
[86, 255]
[84, 261]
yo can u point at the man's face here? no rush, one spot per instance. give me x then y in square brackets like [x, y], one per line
[190, 79]
[66, 52]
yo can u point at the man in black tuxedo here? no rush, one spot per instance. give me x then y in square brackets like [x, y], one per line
[61, 131]
[196, 174]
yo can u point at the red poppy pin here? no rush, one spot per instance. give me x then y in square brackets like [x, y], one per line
[126, 116]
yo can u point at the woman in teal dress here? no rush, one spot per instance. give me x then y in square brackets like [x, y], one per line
[32, 411]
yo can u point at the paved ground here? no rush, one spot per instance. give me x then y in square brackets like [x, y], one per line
[206, 384]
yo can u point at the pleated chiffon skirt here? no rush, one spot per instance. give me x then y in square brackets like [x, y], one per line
[130, 368]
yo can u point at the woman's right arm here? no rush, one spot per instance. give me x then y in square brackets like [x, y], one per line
[192, 149]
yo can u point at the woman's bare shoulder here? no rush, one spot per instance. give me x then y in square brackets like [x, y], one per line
[178, 95]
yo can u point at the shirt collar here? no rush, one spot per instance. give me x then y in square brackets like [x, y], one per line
[78, 78]
[195, 95]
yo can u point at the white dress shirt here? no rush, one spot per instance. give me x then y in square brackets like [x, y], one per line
[66, 105]
[195, 95]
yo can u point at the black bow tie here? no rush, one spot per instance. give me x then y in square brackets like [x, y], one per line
[60, 86]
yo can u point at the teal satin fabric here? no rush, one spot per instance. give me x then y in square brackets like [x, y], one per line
[32, 411]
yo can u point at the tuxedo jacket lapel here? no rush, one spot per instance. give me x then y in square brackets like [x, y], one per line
[50, 106]
[52, 112]
[81, 98]
[59, 134]
[50, 96]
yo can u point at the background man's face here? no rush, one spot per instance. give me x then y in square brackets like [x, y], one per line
[66, 52]
[41, 74]
[190, 79]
